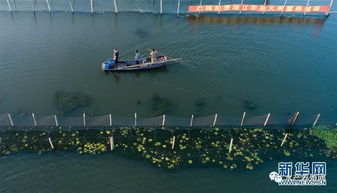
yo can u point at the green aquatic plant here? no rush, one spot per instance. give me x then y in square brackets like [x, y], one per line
[92, 148]
[69, 101]
[160, 105]
[200, 102]
[207, 147]
[21, 112]
[329, 135]
[142, 33]
[249, 104]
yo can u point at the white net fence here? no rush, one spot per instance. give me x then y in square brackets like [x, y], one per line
[265, 120]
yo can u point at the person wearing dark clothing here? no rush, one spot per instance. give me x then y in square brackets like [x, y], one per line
[137, 57]
[116, 55]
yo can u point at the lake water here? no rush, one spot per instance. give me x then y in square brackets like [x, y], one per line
[69, 173]
[282, 65]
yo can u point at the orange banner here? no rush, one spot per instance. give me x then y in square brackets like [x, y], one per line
[258, 8]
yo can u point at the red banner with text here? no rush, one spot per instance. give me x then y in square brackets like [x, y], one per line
[258, 8]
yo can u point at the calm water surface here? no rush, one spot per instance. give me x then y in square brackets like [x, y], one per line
[282, 65]
[109, 173]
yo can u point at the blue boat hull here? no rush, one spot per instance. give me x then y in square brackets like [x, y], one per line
[131, 65]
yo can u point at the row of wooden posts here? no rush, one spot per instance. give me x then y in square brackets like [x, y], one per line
[115, 7]
[163, 122]
[70, 5]
[111, 139]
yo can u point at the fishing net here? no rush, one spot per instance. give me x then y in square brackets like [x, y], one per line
[25, 120]
[45, 120]
[154, 121]
[4, 120]
[70, 121]
[122, 121]
[255, 121]
[177, 121]
[143, 6]
[91, 121]
[228, 121]
[265, 120]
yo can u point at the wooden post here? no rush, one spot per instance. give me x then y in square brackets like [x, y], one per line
[200, 5]
[91, 6]
[71, 6]
[294, 118]
[307, 6]
[112, 145]
[241, 6]
[163, 122]
[284, 139]
[178, 7]
[215, 119]
[328, 12]
[9, 6]
[161, 6]
[230, 145]
[265, 2]
[315, 122]
[48, 6]
[285, 2]
[135, 119]
[34, 120]
[10, 120]
[110, 120]
[173, 141]
[243, 118]
[51, 143]
[83, 119]
[33, 5]
[191, 122]
[266, 121]
[115, 6]
[219, 6]
[56, 122]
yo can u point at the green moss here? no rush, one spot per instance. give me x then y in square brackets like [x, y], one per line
[329, 135]
[160, 105]
[69, 101]
[249, 104]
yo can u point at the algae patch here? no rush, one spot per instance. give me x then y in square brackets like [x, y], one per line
[70, 101]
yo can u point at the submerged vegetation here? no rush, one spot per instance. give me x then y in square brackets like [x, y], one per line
[328, 135]
[199, 104]
[173, 149]
[142, 33]
[22, 112]
[70, 101]
[160, 105]
[249, 104]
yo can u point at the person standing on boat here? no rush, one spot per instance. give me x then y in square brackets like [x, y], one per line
[116, 55]
[153, 55]
[137, 57]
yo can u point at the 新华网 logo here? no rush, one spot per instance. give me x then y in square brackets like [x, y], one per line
[300, 174]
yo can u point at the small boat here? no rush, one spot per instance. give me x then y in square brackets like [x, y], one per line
[132, 65]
